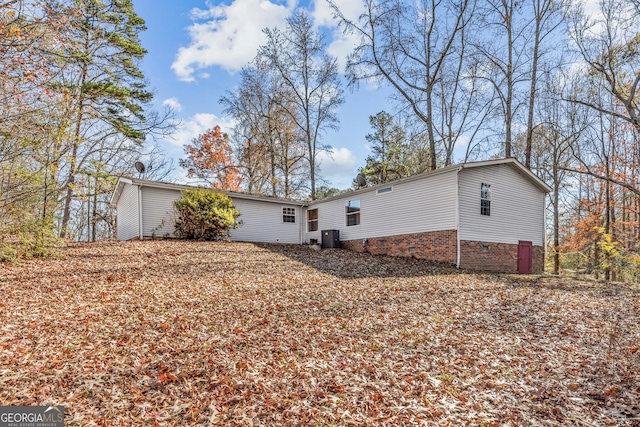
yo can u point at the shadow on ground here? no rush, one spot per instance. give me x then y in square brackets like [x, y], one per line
[346, 264]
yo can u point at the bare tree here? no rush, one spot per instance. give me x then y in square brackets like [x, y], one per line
[547, 18]
[270, 149]
[408, 45]
[561, 126]
[608, 45]
[464, 104]
[297, 55]
[502, 49]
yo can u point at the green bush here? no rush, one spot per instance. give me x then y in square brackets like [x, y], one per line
[205, 215]
[32, 238]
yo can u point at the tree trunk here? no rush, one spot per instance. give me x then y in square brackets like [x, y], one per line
[94, 214]
[432, 139]
[71, 180]
[73, 161]
[532, 95]
[509, 100]
[556, 218]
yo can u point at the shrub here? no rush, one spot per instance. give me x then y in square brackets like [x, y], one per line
[205, 215]
[32, 238]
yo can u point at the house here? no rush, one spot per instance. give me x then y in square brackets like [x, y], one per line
[487, 215]
[145, 210]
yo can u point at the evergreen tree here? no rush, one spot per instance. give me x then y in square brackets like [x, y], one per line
[103, 82]
[388, 144]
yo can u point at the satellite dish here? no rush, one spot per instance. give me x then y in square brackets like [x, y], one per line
[140, 167]
[361, 181]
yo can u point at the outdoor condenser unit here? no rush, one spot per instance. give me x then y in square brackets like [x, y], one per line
[330, 239]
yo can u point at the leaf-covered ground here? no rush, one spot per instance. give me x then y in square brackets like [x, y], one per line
[192, 334]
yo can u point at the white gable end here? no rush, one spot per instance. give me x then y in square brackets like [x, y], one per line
[516, 206]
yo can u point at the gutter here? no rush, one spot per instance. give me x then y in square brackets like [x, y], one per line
[302, 222]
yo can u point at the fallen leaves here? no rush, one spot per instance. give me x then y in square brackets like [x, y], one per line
[187, 333]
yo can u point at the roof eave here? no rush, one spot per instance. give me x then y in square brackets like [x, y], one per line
[522, 169]
[416, 177]
[232, 194]
[113, 202]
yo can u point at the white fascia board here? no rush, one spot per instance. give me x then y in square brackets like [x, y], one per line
[522, 169]
[113, 202]
[352, 193]
[232, 194]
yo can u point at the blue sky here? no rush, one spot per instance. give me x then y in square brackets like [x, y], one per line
[196, 47]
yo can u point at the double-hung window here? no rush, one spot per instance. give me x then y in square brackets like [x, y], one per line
[352, 211]
[312, 220]
[485, 199]
[289, 215]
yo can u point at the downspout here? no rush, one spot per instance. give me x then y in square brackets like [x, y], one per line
[544, 230]
[140, 235]
[458, 217]
[302, 221]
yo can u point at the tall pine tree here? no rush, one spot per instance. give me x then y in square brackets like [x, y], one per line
[388, 144]
[104, 84]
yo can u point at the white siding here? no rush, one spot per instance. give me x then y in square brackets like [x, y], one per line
[158, 216]
[517, 206]
[422, 205]
[262, 222]
[127, 213]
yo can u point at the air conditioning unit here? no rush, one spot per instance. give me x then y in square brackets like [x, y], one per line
[330, 239]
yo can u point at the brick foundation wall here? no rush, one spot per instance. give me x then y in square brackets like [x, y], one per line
[437, 246]
[499, 257]
[538, 260]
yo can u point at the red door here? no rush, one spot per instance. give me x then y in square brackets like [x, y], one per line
[525, 257]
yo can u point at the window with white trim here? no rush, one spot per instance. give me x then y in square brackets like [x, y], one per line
[312, 220]
[485, 199]
[384, 190]
[289, 215]
[352, 211]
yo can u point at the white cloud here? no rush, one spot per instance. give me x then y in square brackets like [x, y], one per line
[341, 44]
[323, 14]
[338, 166]
[173, 103]
[229, 36]
[197, 125]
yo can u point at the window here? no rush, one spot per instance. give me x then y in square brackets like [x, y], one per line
[485, 199]
[312, 220]
[385, 190]
[289, 215]
[352, 210]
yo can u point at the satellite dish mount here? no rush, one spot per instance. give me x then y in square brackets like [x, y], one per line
[361, 181]
[140, 167]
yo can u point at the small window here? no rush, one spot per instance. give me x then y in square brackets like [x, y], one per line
[312, 220]
[385, 190]
[485, 199]
[289, 215]
[352, 210]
